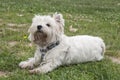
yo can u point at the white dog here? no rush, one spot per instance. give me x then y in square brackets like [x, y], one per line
[54, 48]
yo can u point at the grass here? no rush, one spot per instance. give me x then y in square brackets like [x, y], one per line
[91, 17]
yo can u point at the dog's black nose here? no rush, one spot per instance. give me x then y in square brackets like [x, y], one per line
[39, 27]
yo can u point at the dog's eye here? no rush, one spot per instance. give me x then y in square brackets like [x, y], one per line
[48, 25]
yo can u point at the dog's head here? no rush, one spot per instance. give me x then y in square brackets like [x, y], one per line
[46, 29]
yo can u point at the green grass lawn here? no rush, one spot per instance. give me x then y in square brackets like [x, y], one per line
[91, 17]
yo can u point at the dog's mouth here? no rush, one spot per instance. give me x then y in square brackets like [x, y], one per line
[40, 37]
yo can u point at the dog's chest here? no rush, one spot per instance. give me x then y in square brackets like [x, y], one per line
[57, 53]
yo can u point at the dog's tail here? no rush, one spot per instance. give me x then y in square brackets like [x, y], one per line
[102, 44]
[103, 48]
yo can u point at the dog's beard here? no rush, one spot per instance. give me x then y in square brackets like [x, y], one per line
[40, 38]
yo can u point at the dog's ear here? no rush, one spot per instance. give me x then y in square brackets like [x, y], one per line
[58, 18]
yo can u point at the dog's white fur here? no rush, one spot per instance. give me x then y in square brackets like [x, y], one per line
[71, 50]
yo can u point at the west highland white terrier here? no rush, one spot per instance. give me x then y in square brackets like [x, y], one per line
[54, 48]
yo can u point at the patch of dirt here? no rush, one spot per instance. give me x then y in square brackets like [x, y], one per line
[11, 24]
[1, 24]
[17, 25]
[114, 60]
[12, 29]
[20, 15]
[29, 45]
[118, 4]
[1, 20]
[22, 25]
[71, 29]
[3, 74]
[12, 43]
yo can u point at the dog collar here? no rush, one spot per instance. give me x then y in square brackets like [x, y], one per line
[49, 47]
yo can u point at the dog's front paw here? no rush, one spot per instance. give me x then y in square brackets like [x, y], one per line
[26, 64]
[34, 71]
[37, 71]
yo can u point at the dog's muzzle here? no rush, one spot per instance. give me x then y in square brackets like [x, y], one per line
[40, 38]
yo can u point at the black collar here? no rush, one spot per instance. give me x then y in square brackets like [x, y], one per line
[49, 47]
